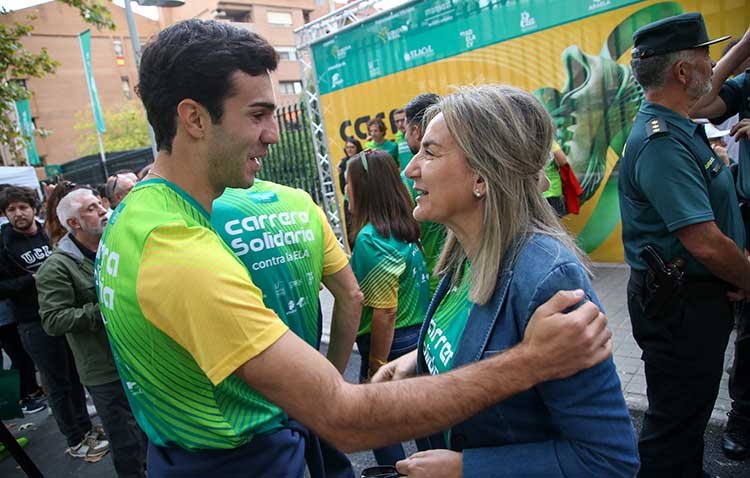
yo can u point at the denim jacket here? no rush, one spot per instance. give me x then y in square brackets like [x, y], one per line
[576, 427]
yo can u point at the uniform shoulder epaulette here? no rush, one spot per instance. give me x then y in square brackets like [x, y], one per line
[655, 126]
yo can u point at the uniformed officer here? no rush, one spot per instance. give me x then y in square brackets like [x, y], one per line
[678, 197]
[730, 97]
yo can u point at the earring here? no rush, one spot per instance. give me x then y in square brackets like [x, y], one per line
[477, 194]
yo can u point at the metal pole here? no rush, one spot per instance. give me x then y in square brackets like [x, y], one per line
[136, 42]
[102, 156]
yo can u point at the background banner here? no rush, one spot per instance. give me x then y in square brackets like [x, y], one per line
[85, 39]
[574, 56]
[23, 108]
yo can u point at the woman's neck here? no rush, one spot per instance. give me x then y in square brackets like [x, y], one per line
[468, 232]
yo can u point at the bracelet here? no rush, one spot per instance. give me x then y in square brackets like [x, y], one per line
[378, 362]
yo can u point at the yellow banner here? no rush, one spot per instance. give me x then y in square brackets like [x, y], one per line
[579, 70]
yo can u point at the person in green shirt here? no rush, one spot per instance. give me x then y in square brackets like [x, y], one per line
[377, 130]
[388, 263]
[404, 152]
[432, 234]
[554, 193]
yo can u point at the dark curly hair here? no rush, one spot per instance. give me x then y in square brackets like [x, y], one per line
[195, 59]
[13, 194]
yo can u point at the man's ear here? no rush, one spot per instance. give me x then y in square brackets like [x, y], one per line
[680, 71]
[74, 222]
[193, 118]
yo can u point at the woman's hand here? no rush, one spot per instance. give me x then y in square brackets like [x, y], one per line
[403, 367]
[432, 464]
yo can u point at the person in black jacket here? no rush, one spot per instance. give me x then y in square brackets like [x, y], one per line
[25, 246]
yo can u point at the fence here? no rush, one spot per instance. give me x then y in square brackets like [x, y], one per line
[290, 162]
[88, 169]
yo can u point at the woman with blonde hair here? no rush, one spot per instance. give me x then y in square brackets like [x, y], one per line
[478, 173]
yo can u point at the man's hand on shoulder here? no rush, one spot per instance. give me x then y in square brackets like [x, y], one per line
[741, 130]
[561, 344]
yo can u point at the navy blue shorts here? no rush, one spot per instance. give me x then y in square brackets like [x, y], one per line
[281, 454]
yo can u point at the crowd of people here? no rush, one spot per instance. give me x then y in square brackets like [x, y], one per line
[184, 299]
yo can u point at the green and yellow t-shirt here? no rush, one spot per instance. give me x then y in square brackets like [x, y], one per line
[432, 237]
[387, 145]
[182, 315]
[553, 174]
[404, 154]
[391, 273]
[287, 245]
[447, 326]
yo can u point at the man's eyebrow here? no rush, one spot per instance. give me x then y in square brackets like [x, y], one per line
[429, 143]
[263, 104]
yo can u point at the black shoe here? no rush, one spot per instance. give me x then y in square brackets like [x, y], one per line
[736, 440]
[29, 406]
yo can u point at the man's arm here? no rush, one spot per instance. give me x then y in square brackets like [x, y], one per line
[357, 417]
[711, 105]
[717, 252]
[347, 309]
[12, 286]
[57, 308]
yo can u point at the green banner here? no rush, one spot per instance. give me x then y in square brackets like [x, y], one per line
[430, 30]
[85, 38]
[27, 130]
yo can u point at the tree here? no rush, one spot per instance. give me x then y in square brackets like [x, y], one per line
[125, 129]
[18, 63]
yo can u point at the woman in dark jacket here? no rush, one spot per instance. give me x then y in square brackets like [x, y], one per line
[478, 173]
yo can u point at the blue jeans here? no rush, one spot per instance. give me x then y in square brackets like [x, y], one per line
[404, 341]
[126, 440]
[65, 393]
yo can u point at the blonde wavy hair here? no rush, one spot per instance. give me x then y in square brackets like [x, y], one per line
[505, 135]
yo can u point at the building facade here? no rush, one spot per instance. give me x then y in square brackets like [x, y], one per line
[60, 99]
[274, 20]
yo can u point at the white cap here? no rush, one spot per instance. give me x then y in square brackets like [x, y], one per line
[712, 132]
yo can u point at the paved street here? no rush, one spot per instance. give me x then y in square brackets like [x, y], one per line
[46, 446]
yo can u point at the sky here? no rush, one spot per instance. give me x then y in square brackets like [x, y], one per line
[150, 12]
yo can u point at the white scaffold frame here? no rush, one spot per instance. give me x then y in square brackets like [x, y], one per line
[304, 38]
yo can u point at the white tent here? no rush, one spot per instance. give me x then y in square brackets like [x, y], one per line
[20, 176]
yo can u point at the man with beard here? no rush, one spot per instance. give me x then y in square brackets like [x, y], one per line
[25, 248]
[684, 241]
[69, 307]
[214, 377]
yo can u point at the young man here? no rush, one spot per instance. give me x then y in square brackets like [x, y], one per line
[25, 248]
[212, 373]
[285, 242]
[404, 152]
[432, 234]
[376, 128]
[69, 307]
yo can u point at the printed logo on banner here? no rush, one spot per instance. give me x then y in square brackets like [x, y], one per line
[389, 35]
[597, 4]
[419, 53]
[374, 68]
[527, 21]
[339, 52]
[336, 80]
[469, 37]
